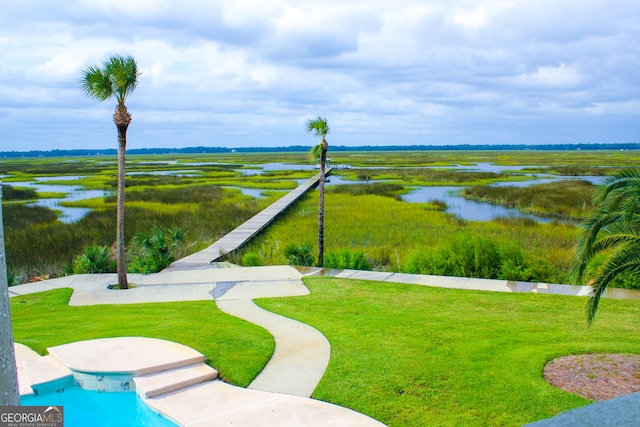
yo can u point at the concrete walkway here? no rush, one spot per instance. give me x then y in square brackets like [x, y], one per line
[302, 353]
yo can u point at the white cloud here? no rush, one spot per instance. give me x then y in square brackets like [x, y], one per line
[426, 72]
[562, 76]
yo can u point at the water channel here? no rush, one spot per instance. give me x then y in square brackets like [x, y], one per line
[457, 205]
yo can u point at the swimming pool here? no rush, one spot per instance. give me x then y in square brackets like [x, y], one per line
[100, 409]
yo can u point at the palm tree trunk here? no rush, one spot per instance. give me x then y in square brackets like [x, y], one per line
[9, 394]
[122, 267]
[323, 160]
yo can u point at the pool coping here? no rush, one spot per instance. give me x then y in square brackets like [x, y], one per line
[206, 402]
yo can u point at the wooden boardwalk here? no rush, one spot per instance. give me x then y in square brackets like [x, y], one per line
[246, 231]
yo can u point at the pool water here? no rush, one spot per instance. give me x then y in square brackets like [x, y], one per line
[100, 409]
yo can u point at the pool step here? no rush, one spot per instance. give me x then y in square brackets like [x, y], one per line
[43, 375]
[154, 384]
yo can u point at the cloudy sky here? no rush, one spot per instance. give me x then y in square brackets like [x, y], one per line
[251, 72]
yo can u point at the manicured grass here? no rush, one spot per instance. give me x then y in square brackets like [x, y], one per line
[409, 355]
[238, 349]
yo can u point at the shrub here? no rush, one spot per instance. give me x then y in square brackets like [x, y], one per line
[300, 254]
[13, 278]
[152, 251]
[477, 256]
[251, 259]
[346, 258]
[624, 280]
[94, 259]
[468, 256]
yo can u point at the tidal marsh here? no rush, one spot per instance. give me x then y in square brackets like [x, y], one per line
[363, 218]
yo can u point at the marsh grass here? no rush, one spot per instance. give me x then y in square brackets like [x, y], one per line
[417, 356]
[440, 177]
[390, 232]
[567, 199]
[387, 231]
[205, 213]
[16, 193]
[238, 349]
[376, 188]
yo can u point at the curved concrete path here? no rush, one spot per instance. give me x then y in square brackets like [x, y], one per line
[302, 353]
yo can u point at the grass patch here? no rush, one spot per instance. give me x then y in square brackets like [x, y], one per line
[430, 177]
[237, 349]
[11, 193]
[567, 199]
[390, 232]
[417, 356]
[376, 188]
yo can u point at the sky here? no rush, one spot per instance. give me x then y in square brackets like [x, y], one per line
[250, 73]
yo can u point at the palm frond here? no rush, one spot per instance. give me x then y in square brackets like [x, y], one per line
[623, 261]
[316, 152]
[117, 77]
[95, 83]
[613, 230]
[124, 74]
[318, 127]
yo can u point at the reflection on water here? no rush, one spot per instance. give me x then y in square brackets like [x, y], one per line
[72, 193]
[186, 172]
[251, 192]
[274, 167]
[478, 211]
[463, 208]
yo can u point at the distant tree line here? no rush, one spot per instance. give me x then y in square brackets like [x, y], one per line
[303, 148]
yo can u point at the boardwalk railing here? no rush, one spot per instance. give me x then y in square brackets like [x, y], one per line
[246, 231]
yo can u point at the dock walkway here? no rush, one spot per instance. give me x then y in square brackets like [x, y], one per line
[246, 231]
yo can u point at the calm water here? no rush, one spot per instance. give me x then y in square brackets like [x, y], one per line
[463, 208]
[466, 209]
[71, 192]
[477, 211]
[251, 192]
[91, 408]
[186, 172]
[274, 167]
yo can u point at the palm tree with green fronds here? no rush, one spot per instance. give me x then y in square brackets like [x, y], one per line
[611, 233]
[116, 78]
[320, 128]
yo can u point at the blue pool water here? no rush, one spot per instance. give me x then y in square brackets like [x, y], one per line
[98, 409]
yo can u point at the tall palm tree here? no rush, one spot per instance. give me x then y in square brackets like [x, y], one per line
[613, 233]
[117, 78]
[8, 374]
[319, 127]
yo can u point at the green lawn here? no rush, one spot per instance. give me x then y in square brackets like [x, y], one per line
[238, 349]
[417, 356]
[406, 355]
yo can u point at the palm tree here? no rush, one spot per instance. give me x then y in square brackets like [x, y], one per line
[612, 233]
[117, 78]
[319, 127]
[8, 374]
